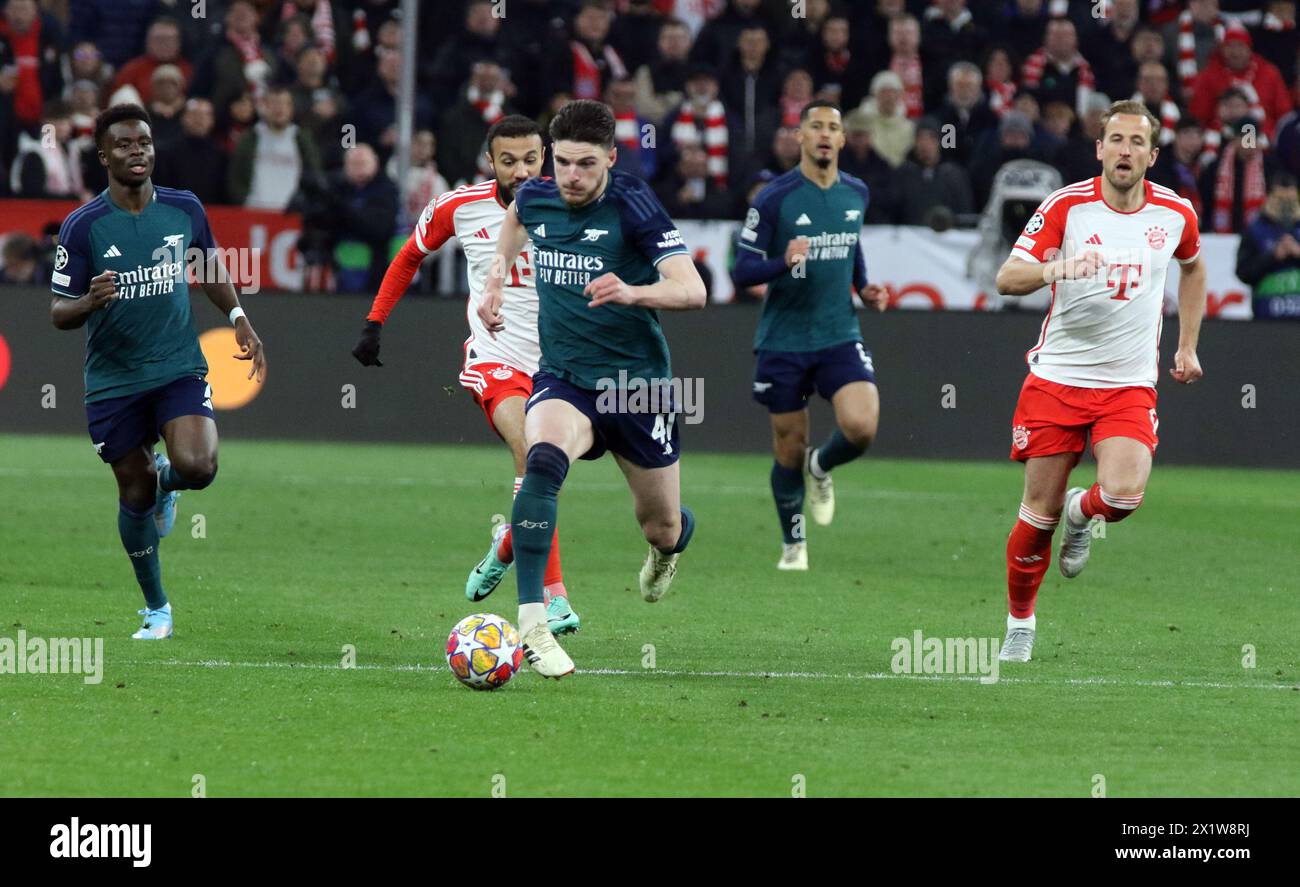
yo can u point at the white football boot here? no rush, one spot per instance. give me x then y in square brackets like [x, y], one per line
[794, 556]
[657, 574]
[1076, 542]
[820, 492]
[544, 654]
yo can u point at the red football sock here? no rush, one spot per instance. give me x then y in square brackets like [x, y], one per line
[554, 575]
[1111, 508]
[1029, 553]
[505, 549]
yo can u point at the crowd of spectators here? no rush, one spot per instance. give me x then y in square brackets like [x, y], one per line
[292, 104]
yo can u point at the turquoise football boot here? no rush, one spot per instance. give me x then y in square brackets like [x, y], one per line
[560, 616]
[164, 508]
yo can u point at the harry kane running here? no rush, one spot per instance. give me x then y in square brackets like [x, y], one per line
[607, 258]
[1104, 246]
[120, 271]
[498, 370]
[801, 237]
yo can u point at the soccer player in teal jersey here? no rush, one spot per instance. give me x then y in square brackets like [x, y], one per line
[606, 259]
[120, 271]
[801, 238]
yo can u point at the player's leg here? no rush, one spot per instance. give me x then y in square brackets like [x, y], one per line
[666, 524]
[556, 432]
[789, 445]
[1029, 548]
[191, 451]
[1123, 443]
[1048, 433]
[183, 416]
[845, 376]
[508, 419]
[506, 415]
[137, 483]
[1123, 466]
[783, 382]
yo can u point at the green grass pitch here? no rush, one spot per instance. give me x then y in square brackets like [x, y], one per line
[763, 681]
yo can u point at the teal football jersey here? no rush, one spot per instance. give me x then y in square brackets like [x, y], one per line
[146, 337]
[625, 231]
[815, 311]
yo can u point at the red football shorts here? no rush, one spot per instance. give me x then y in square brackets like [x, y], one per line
[491, 383]
[1051, 418]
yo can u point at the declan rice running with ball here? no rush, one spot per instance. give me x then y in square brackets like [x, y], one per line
[607, 258]
[120, 271]
[1104, 246]
[801, 237]
[498, 369]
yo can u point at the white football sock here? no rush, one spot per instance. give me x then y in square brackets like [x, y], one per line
[530, 615]
[1031, 623]
[1074, 511]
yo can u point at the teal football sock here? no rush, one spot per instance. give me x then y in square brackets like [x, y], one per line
[788, 490]
[140, 539]
[837, 450]
[688, 530]
[533, 518]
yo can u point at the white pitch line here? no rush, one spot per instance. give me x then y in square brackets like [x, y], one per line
[782, 675]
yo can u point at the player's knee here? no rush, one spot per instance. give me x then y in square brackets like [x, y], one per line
[662, 533]
[862, 434]
[1120, 500]
[788, 448]
[198, 470]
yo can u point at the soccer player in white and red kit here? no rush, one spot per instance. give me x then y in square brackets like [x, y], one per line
[498, 371]
[1104, 246]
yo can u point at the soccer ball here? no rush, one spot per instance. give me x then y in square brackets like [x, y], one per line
[483, 651]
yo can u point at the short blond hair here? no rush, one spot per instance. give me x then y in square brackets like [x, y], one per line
[1136, 108]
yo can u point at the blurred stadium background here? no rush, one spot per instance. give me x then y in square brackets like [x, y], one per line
[315, 131]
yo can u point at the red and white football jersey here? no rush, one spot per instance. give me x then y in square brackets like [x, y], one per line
[474, 215]
[1104, 331]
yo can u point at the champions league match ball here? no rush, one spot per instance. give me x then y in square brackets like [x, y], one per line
[483, 651]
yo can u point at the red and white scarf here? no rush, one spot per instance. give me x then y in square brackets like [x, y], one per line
[322, 24]
[1253, 190]
[587, 78]
[1001, 96]
[1214, 137]
[1169, 117]
[685, 132]
[488, 105]
[908, 69]
[256, 69]
[1187, 48]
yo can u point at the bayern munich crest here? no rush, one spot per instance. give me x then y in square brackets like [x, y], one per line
[1020, 437]
[1156, 237]
[502, 373]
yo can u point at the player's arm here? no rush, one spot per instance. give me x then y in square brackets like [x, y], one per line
[1191, 309]
[873, 295]
[1040, 256]
[1018, 277]
[678, 289]
[221, 292]
[68, 313]
[509, 245]
[433, 229]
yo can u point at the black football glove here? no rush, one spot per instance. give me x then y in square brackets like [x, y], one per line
[367, 350]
